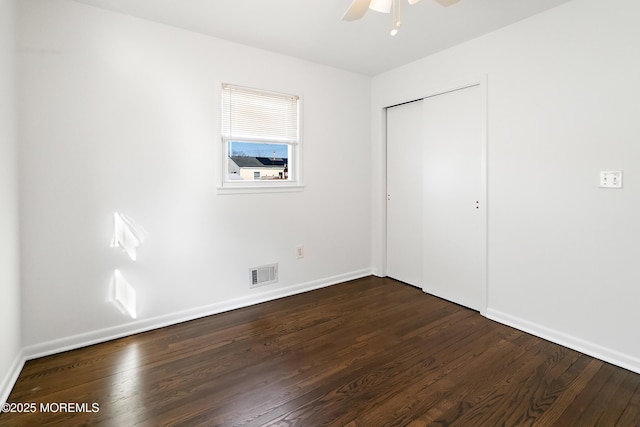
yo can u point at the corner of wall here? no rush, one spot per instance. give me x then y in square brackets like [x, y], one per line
[11, 357]
[7, 383]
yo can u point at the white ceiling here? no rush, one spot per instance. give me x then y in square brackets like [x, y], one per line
[312, 30]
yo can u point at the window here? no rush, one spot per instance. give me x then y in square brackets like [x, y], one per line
[260, 138]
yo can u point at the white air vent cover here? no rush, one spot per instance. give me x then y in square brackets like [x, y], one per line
[264, 275]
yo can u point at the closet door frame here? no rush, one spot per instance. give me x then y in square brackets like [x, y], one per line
[482, 83]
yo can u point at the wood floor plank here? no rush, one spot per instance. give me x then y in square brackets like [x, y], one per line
[370, 352]
[584, 400]
[631, 414]
[566, 394]
[435, 385]
[619, 400]
[604, 406]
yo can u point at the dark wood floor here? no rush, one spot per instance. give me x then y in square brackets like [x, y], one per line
[372, 352]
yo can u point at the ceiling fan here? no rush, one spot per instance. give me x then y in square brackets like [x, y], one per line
[359, 7]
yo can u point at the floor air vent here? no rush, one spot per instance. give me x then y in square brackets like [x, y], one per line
[264, 275]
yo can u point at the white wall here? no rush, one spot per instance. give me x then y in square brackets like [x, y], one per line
[9, 248]
[563, 101]
[121, 114]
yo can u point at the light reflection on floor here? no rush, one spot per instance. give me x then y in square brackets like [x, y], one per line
[126, 398]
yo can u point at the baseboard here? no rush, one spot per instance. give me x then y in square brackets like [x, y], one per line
[143, 325]
[589, 348]
[12, 376]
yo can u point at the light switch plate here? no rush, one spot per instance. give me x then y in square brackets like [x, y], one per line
[610, 179]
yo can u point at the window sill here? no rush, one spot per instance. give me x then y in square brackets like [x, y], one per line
[259, 189]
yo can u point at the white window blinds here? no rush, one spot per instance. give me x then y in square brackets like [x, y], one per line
[255, 115]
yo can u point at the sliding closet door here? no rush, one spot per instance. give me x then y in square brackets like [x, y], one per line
[453, 197]
[404, 186]
[436, 185]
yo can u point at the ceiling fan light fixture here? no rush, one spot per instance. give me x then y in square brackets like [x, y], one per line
[383, 6]
[395, 18]
[395, 28]
[358, 8]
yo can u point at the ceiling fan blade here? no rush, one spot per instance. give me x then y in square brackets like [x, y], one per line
[357, 10]
[383, 6]
[447, 3]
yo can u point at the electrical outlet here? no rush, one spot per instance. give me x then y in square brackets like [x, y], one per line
[299, 251]
[611, 179]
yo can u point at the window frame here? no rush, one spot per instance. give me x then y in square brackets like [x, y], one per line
[294, 159]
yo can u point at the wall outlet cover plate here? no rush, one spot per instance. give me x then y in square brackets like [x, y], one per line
[611, 179]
